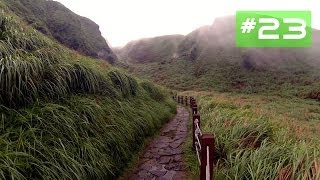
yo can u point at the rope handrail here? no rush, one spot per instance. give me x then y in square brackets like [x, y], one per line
[203, 144]
[197, 143]
[198, 153]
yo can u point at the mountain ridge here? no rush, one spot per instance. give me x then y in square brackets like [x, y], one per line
[57, 21]
[207, 58]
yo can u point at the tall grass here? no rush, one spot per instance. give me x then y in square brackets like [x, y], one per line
[65, 116]
[33, 67]
[250, 147]
[82, 138]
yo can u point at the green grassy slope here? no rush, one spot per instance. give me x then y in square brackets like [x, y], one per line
[148, 50]
[66, 116]
[55, 20]
[207, 59]
[259, 137]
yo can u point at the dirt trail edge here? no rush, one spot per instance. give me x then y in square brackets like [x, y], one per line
[163, 157]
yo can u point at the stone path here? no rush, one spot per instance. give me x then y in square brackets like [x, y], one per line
[162, 159]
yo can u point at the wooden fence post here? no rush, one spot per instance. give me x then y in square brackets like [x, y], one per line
[186, 100]
[195, 109]
[193, 103]
[207, 144]
[194, 117]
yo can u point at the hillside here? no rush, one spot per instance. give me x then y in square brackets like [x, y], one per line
[208, 59]
[55, 20]
[150, 49]
[67, 116]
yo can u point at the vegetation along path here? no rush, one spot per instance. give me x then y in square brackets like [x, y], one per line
[163, 157]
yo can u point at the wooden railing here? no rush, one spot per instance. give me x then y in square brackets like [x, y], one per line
[203, 144]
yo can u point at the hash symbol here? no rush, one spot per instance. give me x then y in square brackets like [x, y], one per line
[248, 25]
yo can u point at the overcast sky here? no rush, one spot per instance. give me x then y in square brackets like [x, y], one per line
[121, 21]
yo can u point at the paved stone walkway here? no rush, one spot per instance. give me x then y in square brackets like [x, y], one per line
[162, 159]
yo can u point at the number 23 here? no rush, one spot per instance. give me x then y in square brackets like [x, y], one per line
[275, 26]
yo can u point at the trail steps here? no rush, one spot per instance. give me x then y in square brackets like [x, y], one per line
[162, 159]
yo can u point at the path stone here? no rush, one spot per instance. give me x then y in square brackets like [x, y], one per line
[163, 157]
